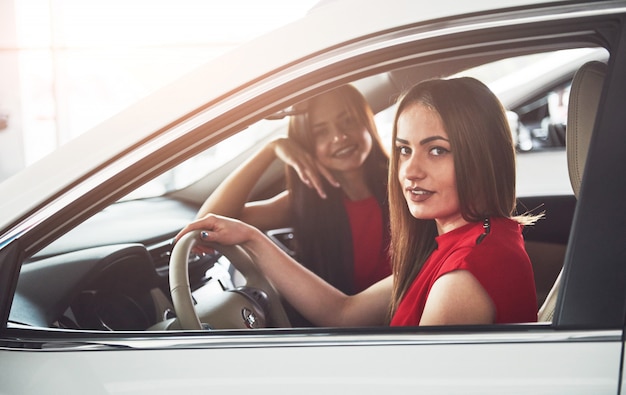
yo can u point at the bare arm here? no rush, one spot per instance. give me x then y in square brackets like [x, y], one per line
[458, 298]
[315, 299]
[230, 198]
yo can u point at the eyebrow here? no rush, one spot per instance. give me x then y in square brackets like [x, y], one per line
[341, 115]
[425, 141]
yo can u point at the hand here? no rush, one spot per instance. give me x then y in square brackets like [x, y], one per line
[306, 166]
[222, 230]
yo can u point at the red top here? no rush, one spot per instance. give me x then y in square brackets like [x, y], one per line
[371, 260]
[499, 263]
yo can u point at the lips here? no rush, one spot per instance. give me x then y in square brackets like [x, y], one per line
[416, 194]
[345, 151]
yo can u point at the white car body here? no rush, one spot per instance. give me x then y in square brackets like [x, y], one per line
[106, 163]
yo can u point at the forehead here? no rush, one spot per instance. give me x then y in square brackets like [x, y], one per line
[418, 121]
[327, 107]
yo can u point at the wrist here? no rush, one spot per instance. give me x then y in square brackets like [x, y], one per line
[255, 241]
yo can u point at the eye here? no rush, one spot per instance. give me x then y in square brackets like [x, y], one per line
[347, 122]
[403, 150]
[439, 151]
[320, 132]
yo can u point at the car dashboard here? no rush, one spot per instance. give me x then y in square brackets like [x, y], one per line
[111, 272]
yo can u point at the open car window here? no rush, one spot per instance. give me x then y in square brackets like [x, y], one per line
[111, 272]
[202, 164]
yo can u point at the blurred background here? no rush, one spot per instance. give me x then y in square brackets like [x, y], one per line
[67, 65]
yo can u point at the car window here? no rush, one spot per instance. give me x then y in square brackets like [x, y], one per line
[536, 125]
[537, 114]
[202, 164]
[106, 243]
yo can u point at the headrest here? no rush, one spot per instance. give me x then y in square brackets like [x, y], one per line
[583, 104]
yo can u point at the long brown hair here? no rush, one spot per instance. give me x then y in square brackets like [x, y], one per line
[322, 228]
[484, 166]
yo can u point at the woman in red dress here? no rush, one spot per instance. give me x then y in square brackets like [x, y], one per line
[457, 249]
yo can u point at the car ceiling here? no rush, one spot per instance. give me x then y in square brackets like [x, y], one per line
[381, 90]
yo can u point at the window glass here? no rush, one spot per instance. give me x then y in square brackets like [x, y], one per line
[535, 92]
[200, 165]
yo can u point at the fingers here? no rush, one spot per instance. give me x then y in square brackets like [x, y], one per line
[316, 173]
[308, 169]
[206, 222]
[202, 249]
[328, 175]
[222, 230]
[309, 175]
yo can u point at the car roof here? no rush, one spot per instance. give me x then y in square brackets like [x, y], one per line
[324, 27]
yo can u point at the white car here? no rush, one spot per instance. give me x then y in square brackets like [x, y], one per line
[85, 233]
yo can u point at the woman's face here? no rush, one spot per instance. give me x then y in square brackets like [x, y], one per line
[341, 143]
[426, 168]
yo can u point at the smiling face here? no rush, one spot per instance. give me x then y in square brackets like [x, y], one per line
[341, 143]
[426, 168]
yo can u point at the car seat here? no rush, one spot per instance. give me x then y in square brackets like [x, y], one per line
[583, 104]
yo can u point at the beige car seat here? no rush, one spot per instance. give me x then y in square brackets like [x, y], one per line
[583, 104]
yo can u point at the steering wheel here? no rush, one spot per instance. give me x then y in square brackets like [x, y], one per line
[181, 290]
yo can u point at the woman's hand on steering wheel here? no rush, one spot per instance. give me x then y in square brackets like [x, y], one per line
[218, 229]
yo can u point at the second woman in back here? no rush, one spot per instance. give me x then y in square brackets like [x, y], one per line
[336, 190]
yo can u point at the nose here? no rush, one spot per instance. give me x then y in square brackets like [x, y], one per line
[339, 137]
[338, 134]
[412, 169]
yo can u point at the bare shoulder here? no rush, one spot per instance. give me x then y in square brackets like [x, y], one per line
[458, 298]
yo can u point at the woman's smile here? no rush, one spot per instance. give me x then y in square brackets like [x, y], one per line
[426, 166]
[345, 151]
[418, 195]
[341, 143]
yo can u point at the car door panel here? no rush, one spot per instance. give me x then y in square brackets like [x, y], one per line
[537, 361]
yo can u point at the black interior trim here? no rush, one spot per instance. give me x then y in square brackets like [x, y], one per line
[559, 213]
[594, 277]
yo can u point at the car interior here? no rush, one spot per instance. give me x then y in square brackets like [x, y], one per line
[113, 273]
[583, 104]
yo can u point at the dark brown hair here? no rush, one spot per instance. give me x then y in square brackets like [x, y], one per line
[484, 166]
[322, 228]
